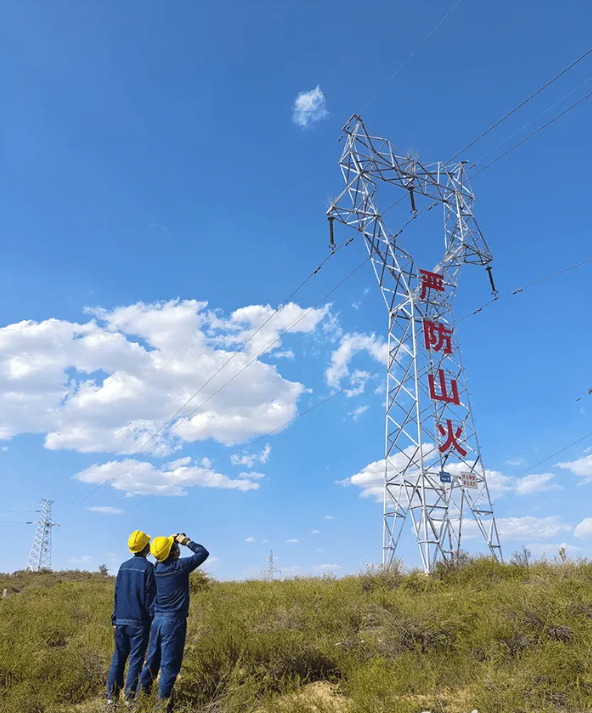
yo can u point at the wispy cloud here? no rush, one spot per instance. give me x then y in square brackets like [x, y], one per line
[293, 541]
[106, 510]
[357, 412]
[315, 532]
[310, 107]
[329, 517]
[250, 539]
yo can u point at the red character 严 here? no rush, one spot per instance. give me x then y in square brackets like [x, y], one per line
[430, 280]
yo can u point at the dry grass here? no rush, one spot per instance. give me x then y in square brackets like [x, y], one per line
[496, 638]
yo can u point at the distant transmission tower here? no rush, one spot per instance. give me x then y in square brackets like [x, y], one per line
[270, 571]
[40, 554]
[433, 467]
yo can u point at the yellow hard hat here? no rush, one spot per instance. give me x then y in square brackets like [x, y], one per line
[137, 541]
[161, 547]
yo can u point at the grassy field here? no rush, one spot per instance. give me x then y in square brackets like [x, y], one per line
[503, 638]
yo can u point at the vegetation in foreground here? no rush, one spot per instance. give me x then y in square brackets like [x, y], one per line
[497, 638]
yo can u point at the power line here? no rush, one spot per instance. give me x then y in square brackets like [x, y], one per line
[515, 109]
[240, 371]
[412, 55]
[528, 123]
[534, 133]
[556, 453]
[525, 287]
[254, 442]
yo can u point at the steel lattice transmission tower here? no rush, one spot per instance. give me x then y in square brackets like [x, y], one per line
[433, 467]
[40, 554]
[269, 573]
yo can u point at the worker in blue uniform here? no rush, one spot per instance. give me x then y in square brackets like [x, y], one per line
[135, 590]
[171, 608]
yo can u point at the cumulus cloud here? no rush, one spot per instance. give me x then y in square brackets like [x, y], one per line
[315, 532]
[581, 467]
[349, 346]
[171, 479]
[250, 539]
[584, 528]
[106, 510]
[329, 517]
[371, 478]
[309, 107]
[108, 384]
[293, 541]
[530, 527]
[536, 483]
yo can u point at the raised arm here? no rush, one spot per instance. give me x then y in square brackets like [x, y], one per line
[200, 554]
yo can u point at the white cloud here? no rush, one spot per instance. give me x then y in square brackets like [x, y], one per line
[523, 528]
[328, 567]
[371, 478]
[250, 539]
[315, 532]
[85, 559]
[251, 475]
[4, 449]
[516, 462]
[581, 467]
[309, 107]
[250, 460]
[329, 517]
[356, 305]
[106, 510]
[286, 354]
[102, 385]
[293, 541]
[357, 412]
[584, 528]
[358, 381]
[536, 483]
[171, 479]
[349, 346]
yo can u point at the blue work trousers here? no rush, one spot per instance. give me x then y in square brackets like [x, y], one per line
[131, 641]
[167, 642]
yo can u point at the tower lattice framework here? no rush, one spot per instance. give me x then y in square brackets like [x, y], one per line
[40, 554]
[433, 466]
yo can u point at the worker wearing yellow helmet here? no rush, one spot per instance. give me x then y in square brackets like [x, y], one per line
[133, 610]
[171, 607]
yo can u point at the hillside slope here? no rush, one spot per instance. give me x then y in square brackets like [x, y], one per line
[503, 638]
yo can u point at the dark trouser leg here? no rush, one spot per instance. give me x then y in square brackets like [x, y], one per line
[120, 654]
[174, 633]
[138, 638]
[152, 666]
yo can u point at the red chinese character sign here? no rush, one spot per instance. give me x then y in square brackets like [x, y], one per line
[431, 281]
[438, 338]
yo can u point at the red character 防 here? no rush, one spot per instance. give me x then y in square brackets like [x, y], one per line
[436, 335]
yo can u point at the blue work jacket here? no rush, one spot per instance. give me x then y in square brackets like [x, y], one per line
[135, 589]
[172, 582]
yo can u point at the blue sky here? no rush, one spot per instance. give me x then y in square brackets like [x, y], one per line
[160, 200]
